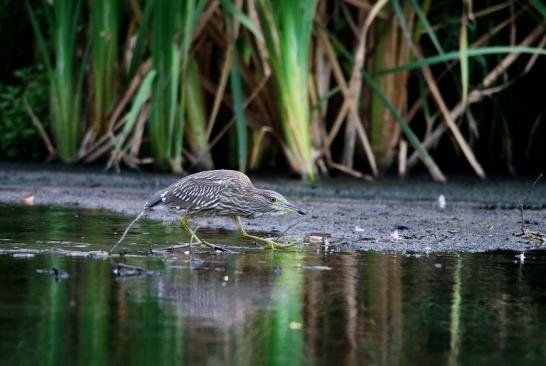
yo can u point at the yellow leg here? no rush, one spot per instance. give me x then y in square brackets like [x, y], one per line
[266, 243]
[186, 226]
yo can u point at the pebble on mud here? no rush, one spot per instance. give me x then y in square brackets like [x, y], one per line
[395, 235]
[441, 202]
[28, 201]
[315, 239]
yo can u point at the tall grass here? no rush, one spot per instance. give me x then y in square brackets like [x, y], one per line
[64, 70]
[172, 30]
[399, 78]
[166, 124]
[104, 32]
[287, 32]
[196, 129]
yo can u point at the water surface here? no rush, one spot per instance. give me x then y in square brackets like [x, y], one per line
[304, 306]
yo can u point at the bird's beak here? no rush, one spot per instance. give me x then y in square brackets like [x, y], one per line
[294, 208]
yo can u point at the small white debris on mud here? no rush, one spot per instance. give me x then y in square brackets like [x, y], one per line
[441, 202]
[395, 235]
[315, 239]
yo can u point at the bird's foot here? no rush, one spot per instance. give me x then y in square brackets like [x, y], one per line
[194, 239]
[269, 243]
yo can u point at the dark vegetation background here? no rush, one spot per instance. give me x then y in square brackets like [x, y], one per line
[511, 127]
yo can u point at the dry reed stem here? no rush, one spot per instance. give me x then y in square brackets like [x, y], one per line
[366, 7]
[205, 18]
[349, 171]
[41, 130]
[437, 96]
[479, 93]
[102, 145]
[232, 121]
[352, 92]
[224, 76]
[510, 58]
[262, 49]
[533, 58]
[416, 107]
[347, 104]
[257, 145]
[139, 130]
[220, 91]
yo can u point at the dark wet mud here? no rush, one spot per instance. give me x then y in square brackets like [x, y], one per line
[344, 214]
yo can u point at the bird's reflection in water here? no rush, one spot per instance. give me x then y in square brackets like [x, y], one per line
[210, 296]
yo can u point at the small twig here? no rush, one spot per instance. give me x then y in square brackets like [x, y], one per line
[522, 202]
[348, 170]
[290, 227]
[136, 268]
[171, 248]
[216, 247]
[127, 230]
[125, 270]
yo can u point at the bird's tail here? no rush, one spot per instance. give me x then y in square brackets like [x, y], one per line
[154, 200]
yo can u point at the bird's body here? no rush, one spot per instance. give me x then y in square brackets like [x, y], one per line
[220, 193]
[214, 193]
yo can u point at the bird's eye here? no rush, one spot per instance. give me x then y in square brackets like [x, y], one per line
[273, 199]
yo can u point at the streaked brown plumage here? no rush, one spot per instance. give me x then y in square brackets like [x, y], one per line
[220, 193]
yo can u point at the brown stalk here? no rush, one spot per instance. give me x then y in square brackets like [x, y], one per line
[224, 76]
[437, 96]
[349, 171]
[107, 140]
[319, 82]
[231, 122]
[136, 142]
[257, 146]
[479, 93]
[205, 17]
[262, 49]
[366, 7]
[533, 58]
[40, 127]
[349, 139]
[355, 83]
[129, 153]
[416, 107]
[352, 92]
[219, 94]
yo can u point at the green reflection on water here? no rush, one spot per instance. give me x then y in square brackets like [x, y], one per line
[246, 309]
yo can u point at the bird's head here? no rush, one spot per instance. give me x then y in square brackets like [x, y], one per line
[274, 203]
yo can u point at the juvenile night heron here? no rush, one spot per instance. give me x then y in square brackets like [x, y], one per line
[222, 193]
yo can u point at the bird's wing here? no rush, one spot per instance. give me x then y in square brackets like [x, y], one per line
[194, 193]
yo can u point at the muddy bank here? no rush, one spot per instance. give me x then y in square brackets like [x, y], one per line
[388, 215]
